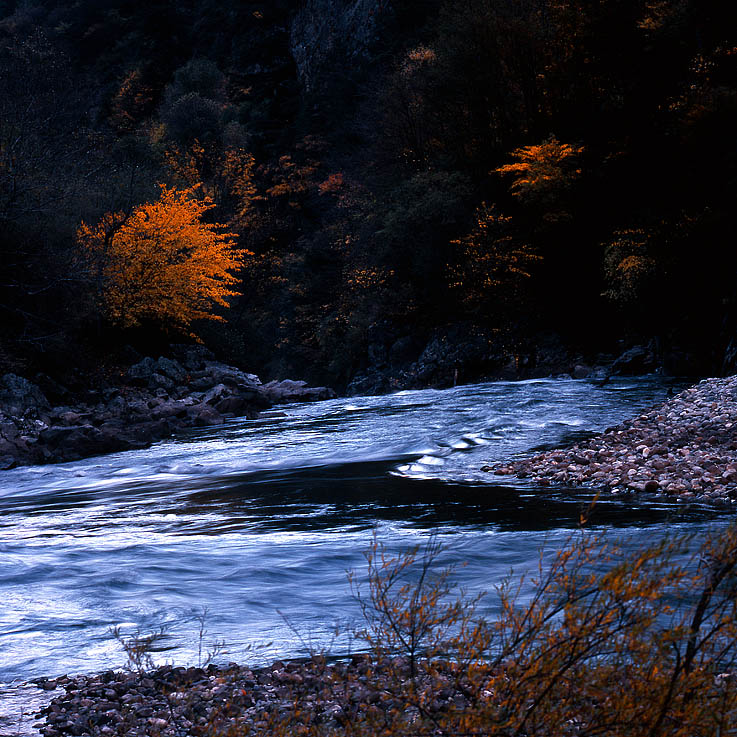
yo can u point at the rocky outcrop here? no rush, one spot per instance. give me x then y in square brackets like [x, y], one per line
[461, 353]
[156, 398]
[330, 35]
[635, 361]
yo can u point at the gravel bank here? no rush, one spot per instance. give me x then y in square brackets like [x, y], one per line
[231, 699]
[684, 448]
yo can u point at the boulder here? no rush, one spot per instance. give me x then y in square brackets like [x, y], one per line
[18, 395]
[215, 373]
[217, 394]
[236, 405]
[469, 350]
[636, 360]
[55, 392]
[203, 415]
[281, 392]
[192, 357]
[141, 372]
[159, 381]
[172, 370]
[404, 351]
[169, 408]
[581, 371]
[8, 429]
[72, 442]
[373, 383]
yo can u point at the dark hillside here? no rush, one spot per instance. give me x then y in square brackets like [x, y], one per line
[422, 186]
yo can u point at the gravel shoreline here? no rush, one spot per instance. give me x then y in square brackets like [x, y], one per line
[684, 448]
[233, 699]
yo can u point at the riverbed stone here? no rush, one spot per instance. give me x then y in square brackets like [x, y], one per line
[172, 369]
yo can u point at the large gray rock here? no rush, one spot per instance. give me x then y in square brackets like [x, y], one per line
[215, 373]
[217, 394]
[636, 360]
[80, 441]
[18, 395]
[172, 369]
[203, 415]
[369, 384]
[281, 392]
[192, 357]
[141, 372]
[455, 352]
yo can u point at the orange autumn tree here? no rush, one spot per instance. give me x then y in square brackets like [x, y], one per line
[162, 264]
[542, 172]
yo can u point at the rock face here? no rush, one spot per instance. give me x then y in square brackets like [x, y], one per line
[157, 398]
[326, 35]
[685, 448]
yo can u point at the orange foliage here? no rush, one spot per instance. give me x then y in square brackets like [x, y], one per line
[542, 170]
[292, 180]
[186, 166]
[629, 264]
[131, 102]
[608, 642]
[369, 279]
[490, 263]
[334, 183]
[237, 172]
[162, 264]
[223, 176]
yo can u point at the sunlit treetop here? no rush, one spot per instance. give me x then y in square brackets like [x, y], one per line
[162, 264]
[543, 169]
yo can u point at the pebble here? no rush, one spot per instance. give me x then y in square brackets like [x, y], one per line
[685, 448]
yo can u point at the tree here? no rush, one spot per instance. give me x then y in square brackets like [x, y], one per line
[543, 171]
[491, 263]
[162, 264]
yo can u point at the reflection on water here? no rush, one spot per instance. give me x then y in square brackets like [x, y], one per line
[264, 515]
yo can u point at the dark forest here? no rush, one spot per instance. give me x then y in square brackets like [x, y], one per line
[393, 194]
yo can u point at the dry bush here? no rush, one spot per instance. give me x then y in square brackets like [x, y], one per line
[611, 643]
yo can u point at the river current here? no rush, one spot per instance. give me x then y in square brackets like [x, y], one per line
[257, 522]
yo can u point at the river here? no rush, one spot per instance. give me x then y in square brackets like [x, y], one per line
[257, 522]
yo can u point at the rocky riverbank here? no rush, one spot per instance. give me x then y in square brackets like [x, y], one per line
[233, 699]
[151, 400]
[684, 448]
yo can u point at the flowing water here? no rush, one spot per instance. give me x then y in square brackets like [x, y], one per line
[257, 522]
